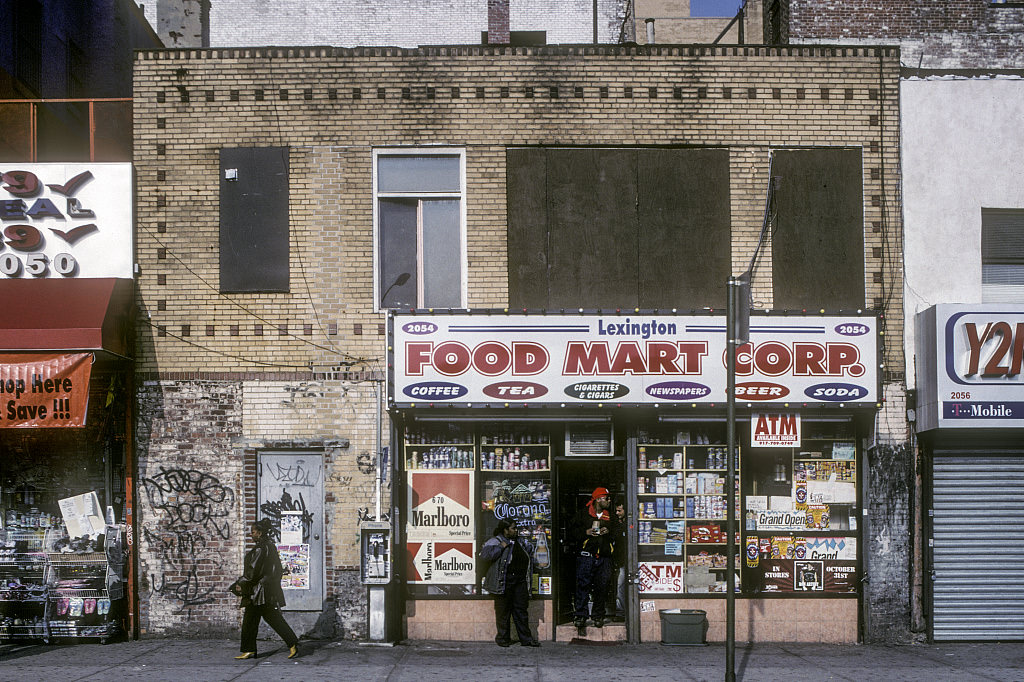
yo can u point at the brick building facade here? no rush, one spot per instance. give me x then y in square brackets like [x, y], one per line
[224, 377]
[952, 34]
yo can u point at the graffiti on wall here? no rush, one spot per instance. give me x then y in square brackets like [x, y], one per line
[295, 474]
[273, 510]
[193, 509]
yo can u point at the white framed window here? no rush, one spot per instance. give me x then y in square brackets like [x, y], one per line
[1002, 255]
[419, 219]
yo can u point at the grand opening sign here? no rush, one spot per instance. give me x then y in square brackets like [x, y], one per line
[499, 358]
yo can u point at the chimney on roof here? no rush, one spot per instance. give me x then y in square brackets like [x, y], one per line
[497, 22]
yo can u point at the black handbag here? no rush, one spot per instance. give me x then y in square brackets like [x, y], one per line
[240, 588]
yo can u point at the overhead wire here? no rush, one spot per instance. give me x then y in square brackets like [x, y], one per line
[351, 359]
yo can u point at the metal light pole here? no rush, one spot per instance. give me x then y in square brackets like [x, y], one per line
[730, 438]
[737, 331]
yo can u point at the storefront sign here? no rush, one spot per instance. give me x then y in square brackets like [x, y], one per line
[440, 506]
[775, 430]
[500, 358]
[781, 520]
[969, 366]
[44, 389]
[66, 220]
[441, 563]
[661, 578]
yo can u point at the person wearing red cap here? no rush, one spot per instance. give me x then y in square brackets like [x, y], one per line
[594, 537]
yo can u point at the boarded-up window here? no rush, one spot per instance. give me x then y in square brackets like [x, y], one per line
[818, 238]
[254, 219]
[618, 228]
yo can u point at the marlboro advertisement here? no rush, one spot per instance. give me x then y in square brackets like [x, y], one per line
[440, 506]
[441, 563]
[44, 389]
[498, 358]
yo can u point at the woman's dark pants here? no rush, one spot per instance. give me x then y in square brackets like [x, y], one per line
[272, 615]
[515, 603]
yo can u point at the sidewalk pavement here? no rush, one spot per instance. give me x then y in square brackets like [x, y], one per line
[158, 660]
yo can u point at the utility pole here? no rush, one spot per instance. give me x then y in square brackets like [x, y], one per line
[737, 332]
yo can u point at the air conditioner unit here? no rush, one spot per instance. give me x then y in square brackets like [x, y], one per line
[589, 440]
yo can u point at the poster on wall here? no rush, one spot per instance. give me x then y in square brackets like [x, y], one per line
[440, 506]
[494, 358]
[441, 563]
[295, 562]
[44, 389]
[291, 527]
[809, 575]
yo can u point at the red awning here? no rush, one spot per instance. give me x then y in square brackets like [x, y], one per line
[66, 314]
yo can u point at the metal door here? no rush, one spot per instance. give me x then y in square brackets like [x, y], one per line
[291, 495]
[977, 546]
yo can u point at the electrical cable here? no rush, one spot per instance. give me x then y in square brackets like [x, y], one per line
[350, 359]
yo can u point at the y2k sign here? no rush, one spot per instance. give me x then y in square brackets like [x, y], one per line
[972, 374]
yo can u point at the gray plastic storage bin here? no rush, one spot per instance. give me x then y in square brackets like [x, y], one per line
[684, 627]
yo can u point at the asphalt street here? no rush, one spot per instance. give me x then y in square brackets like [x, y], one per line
[212, 659]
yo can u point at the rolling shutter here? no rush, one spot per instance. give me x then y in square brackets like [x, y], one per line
[978, 546]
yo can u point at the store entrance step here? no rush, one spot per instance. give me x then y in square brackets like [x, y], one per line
[611, 632]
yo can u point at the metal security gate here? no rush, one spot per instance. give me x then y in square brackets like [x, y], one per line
[978, 546]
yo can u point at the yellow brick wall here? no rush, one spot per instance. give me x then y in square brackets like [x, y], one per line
[331, 143]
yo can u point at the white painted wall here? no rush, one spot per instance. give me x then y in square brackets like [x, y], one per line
[401, 23]
[963, 150]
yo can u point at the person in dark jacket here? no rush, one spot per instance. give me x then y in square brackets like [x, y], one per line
[262, 596]
[508, 579]
[594, 536]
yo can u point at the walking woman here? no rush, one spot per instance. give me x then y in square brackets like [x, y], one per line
[262, 596]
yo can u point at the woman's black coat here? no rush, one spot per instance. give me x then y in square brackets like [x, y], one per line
[261, 581]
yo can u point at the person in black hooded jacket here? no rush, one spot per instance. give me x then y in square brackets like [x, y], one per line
[262, 596]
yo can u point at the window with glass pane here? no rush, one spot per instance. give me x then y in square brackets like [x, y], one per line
[1002, 255]
[419, 228]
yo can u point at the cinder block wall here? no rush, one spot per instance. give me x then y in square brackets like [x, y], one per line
[222, 376]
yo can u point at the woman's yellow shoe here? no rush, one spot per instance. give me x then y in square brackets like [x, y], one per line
[246, 654]
[293, 651]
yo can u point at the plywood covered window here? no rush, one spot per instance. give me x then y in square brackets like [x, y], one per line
[818, 238]
[618, 228]
[254, 243]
